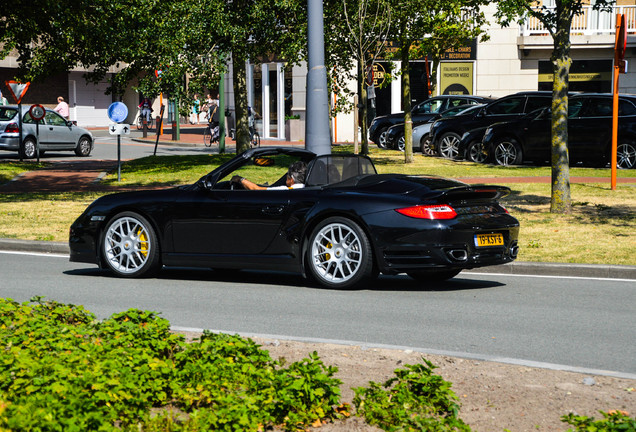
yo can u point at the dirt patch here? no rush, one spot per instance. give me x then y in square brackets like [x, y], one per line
[493, 396]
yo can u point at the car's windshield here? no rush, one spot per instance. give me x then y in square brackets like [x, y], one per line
[7, 114]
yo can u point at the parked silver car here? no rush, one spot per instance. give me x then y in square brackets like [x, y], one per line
[54, 132]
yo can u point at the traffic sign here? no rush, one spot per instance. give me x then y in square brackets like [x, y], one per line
[117, 112]
[37, 112]
[119, 129]
[17, 90]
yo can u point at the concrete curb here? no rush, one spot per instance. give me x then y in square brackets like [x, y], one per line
[515, 268]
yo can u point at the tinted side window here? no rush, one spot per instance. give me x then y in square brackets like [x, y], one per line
[574, 107]
[626, 108]
[535, 102]
[458, 102]
[512, 105]
[7, 114]
[431, 106]
[598, 107]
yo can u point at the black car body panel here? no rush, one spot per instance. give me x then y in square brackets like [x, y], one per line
[424, 111]
[589, 132]
[504, 109]
[210, 225]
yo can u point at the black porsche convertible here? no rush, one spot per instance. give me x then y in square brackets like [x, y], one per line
[346, 224]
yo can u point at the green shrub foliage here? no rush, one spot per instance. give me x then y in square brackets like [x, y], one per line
[613, 421]
[63, 370]
[414, 400]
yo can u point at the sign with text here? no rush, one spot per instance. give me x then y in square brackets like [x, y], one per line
[456, 78]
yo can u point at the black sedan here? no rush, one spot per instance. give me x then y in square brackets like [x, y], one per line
[347, 224]
[589, 133]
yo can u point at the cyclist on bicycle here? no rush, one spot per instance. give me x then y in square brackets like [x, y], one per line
[213, 121]
[146, 108]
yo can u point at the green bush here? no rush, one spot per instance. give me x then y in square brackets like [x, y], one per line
[613, 421]
[62, 370]
[415, 400]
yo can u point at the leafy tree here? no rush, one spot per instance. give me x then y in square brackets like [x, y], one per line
[365, 26]
[431, 27]
[557, 21]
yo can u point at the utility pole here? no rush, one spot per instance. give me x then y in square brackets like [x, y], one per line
[317, 131]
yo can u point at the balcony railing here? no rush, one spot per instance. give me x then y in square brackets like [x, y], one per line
[590, 22]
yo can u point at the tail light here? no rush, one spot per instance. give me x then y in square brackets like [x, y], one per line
[433, 212]
[12, 128]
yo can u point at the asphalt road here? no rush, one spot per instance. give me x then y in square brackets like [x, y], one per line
[580, 324]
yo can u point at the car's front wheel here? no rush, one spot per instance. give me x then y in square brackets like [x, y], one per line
[129, 246]
[401, 143]
[508, 152]
[626, 156]
[84, 147]
[382, 139]
[449, 145]
[425, 145]
[339, 254]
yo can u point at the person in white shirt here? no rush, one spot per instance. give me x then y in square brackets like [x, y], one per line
[62, 108]
[295, 179]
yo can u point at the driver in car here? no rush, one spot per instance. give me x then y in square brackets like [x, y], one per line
[295, 179]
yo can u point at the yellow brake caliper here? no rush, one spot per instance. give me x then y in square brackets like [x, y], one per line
[143, 242]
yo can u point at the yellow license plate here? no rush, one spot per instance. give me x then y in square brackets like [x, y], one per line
[484, 240]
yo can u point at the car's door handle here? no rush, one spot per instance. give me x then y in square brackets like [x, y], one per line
[273, 210]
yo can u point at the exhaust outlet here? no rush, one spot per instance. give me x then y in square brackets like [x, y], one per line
[458, 254]
[514, 251]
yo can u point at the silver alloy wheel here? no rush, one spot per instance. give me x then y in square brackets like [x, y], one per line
[476, 153]
[336, 253]
[626, 156]
[83, 147]
[449, 146]
[401, 143]
[127, 245]
[382, 139]
[425, 145]
[506, 153]
[29, 148]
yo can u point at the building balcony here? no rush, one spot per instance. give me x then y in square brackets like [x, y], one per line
[591, 29]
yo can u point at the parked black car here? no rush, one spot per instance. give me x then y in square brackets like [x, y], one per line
[395, 134]
[423, 111]
[589, 133]
[446, 133]
[470, 146]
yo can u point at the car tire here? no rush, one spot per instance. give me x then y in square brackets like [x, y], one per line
[448, 146]
[626, 156]
[339, 254]
[129, 246]
[508, 152]
[29, 147]
[382, 139]
[401, 143]
[475, 152]
[433, 275]
[425, 145]
[84, 147]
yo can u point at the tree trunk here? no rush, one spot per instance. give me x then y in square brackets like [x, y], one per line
[240, 103]
[362, 91]
[406, 102]
[561, 61]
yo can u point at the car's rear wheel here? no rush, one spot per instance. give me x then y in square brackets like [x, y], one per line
[425, 145]
[84, 147]
[129, 246]
[339, 254]
[401, 143]
[29, 148]
[382, 139]
[508, 152]
[449, 145]
[475, 152]
[626, 156]
[434, 275]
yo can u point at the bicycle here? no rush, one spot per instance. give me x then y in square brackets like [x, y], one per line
[140, 122]
[210, 135]
[255, 138]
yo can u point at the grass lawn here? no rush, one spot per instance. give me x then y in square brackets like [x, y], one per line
[600, 230]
